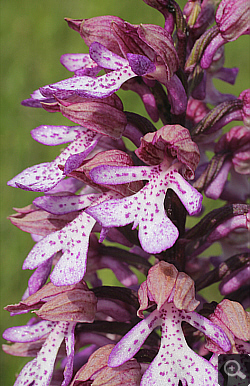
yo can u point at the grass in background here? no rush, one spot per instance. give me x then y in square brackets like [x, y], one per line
[33, 37]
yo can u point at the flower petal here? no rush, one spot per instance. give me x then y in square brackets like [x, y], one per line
[70, 342]
[40, 369]
[140, 64]
[66, 204]
[38, 177]
[115, 175]
[86, 86]
[43, 177]
[56, 135]
[189, 196]
[39, 277]
[146, 208]
[208, 328]
[73, 240]
[106, 58]
[130, 344]
[28, 333]
[80, 64]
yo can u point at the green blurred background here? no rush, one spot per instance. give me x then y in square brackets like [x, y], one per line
[33, 37]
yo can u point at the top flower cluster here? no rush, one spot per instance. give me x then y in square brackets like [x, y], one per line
[99, 186]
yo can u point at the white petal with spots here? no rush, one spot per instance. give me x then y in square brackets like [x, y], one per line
[112, 175]
[45, 176]
[40, 369]
[115, 175]
[130, 344]
[65, 204]
[176, 360]
[28, 333]
[106, 58]
[146, 209]
[86, 86]
[208, 328]
[73, 240]
[57, 135]
[189, 196]
[76, 62]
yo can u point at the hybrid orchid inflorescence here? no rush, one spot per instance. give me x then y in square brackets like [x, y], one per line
[127, 208]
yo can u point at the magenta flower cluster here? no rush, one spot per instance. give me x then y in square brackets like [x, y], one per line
[108, 206]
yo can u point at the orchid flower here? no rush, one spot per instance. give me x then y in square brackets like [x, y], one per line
[122, 70]
[72, 240]
[58, 325]
[45, 176]
[105, 85]
[173, 293]
[41, 368]
[146, 208]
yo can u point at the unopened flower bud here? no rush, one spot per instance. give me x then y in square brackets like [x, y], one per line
[232, 21]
